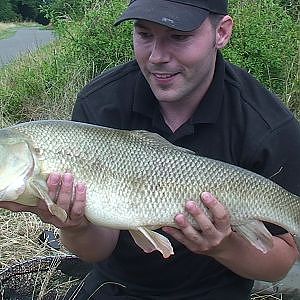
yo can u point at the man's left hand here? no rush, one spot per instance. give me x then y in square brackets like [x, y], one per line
[212, 234]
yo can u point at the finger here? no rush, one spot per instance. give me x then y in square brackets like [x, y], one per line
[79, 202]
[218, 212]
[53, 183]
[65, 195]
[206, 226]
[189, 237]
[189, 232]
[177, 234]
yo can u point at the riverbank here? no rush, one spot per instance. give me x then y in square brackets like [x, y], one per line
[21, 40]
[8, 29]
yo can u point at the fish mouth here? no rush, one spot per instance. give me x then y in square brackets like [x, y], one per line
[19, 166]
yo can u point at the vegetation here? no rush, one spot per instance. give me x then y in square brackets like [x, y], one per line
[22, 10]
[6, 30]
[265, 43]
[45, 84]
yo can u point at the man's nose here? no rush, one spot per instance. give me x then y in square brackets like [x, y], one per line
[159, 52]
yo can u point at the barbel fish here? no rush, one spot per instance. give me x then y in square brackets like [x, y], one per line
[138, 181]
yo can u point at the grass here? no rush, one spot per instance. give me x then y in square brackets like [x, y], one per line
[40, 76]
[7, 30]
[20, 231]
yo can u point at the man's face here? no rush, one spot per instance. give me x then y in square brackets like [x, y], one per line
[177, 65]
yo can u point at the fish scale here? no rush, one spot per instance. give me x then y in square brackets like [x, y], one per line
[137, 180]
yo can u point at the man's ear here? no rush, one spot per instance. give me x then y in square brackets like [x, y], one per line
[224, 31]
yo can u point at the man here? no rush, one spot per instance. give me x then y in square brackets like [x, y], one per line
[180, 87]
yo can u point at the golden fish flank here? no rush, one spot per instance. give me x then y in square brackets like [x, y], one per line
[137, 180]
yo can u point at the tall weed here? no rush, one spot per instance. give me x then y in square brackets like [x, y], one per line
[265, 43]
[40, 85]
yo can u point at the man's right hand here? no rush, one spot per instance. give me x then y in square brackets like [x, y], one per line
[62, 193]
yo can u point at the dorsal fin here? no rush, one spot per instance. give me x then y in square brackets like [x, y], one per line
[156, 140]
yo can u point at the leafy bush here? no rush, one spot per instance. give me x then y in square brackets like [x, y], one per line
[92, 37]
[40, 85]
[264, 43]
[292, 7]
[58, 10]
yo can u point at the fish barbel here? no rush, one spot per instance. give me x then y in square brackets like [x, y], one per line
[138, 181]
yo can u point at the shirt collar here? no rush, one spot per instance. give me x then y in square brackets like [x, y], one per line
[145, 103]
[209, 108]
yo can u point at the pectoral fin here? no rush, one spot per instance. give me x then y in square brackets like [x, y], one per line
[150, 240]
[13, 191]
[257, 234]
[39, 189]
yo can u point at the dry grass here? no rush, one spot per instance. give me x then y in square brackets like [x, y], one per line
[19, 242]
[6, 26]
[20, 232]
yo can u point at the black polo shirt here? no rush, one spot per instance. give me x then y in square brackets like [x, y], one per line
[238, 121]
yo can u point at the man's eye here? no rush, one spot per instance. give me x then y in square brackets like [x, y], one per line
[180, 37]
[144, 35]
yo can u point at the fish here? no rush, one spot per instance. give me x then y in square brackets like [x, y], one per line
[138, 181]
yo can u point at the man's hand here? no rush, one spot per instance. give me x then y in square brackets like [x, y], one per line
[61, 192]
[212, 235]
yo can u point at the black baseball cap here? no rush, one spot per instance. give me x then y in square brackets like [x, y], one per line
[184, 15]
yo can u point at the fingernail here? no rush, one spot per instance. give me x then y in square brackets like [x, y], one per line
[190, 205]
[80, 187]
[207, 197]
[180, 220]
[67, 178]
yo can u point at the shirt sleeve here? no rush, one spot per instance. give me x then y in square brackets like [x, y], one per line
[79, 114]
[277, 158]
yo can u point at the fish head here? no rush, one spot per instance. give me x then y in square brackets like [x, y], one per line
[16, 164]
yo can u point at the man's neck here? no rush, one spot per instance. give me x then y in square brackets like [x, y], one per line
[176, 116]
[177, 113]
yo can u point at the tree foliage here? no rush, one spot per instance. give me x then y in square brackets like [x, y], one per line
[23, 10]
[6, 11]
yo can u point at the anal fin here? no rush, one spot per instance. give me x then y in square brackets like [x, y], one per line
[150, 240]
[256, 233]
